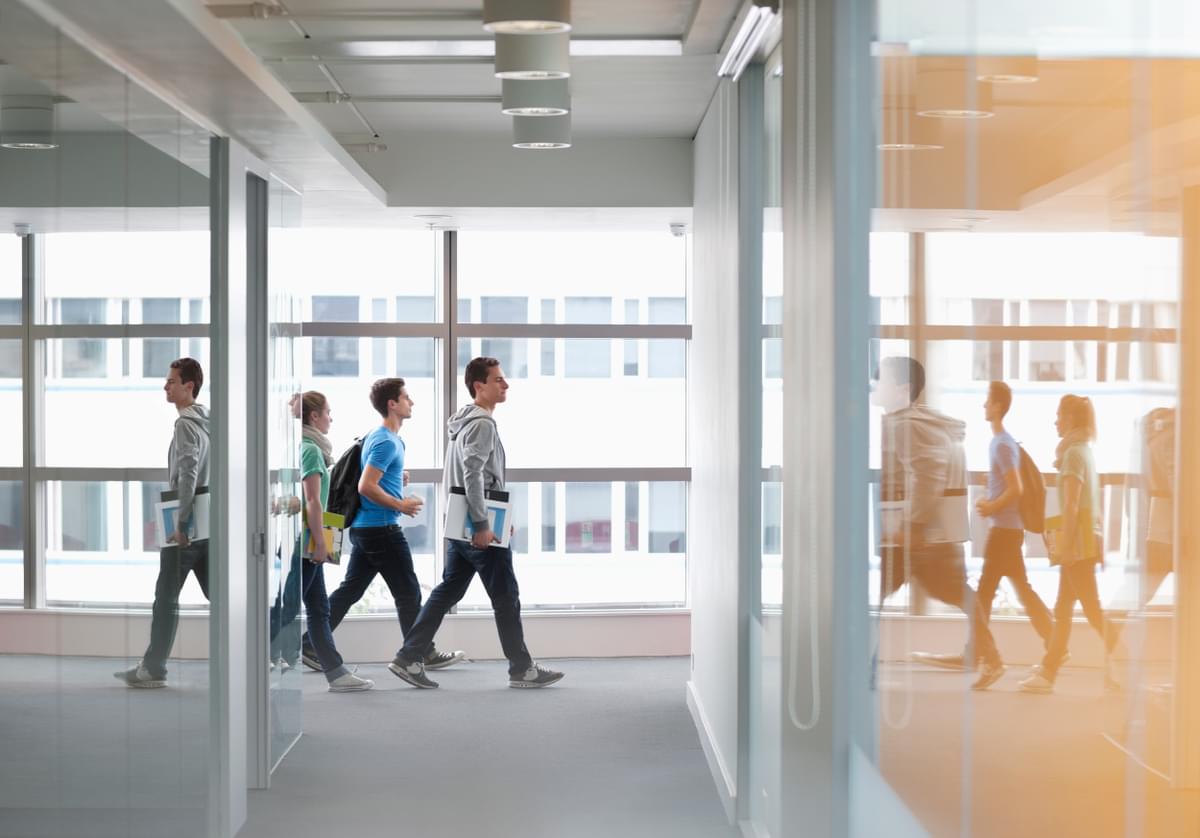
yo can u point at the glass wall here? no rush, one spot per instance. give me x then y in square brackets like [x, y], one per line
[1026, 258]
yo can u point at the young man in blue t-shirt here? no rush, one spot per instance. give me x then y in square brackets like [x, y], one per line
[378, 545]
[1002, 554]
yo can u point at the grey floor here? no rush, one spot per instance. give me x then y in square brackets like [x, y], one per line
[82, 754]
[610, 751]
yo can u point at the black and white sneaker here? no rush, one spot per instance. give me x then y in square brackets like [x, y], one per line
[412, 673]
[140, 678]
[308, 656]
[440, 660]
[533, 677]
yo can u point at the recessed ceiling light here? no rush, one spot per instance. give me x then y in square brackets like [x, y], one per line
[1007, 78]
[956, 113]
[433, 217]
[908, 147]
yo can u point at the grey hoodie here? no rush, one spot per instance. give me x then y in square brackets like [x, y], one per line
[474, 459]
[923, 457]
[187, 459]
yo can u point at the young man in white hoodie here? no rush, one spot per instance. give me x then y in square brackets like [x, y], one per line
[187, 467]
[923, 459]
[475, 463]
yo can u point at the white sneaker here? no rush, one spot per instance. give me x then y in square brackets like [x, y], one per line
[350, 683]
[1037, 683]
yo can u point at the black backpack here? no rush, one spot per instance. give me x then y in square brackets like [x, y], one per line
[1032, 504]
[343, 482]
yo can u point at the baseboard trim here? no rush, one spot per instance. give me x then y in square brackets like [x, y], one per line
[726, 785]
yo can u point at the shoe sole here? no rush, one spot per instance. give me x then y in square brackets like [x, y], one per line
[533, 685]
[357, 688]
[312, 663]
[399, 672]
[987, 680]
[1036, 690]
[949, 667]
[458, 657]
[140, 685]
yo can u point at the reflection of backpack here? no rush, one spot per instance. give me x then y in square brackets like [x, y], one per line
[343, 482]
[1032, 504]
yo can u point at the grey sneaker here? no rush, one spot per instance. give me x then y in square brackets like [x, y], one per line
[992, 672]
[1036, 683]
[309, 658]
[139, 677]
[412, 673]
[350, 683]
[535, 676]
[440, 660]
[955, 662]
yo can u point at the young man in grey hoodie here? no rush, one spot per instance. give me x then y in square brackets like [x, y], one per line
[187, 467]
[475, 463]
[923, 460]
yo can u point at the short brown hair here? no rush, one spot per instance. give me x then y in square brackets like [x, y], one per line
[314, 402]
[383, 391]
[1001, 394]
[190, 373]
[477, 372]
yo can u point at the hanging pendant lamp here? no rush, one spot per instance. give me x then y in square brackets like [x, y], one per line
[532, 56]
[542, 132]
[528, 16]
[534, 97]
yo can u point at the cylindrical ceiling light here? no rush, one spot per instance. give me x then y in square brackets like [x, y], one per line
[532, 97]
[533, 56]
[27, 122]
[1007, 69]
[952, 94]
[901, 130]
[541, 132]
[529, 16]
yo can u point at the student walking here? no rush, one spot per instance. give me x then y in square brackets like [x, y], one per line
[924, 463]
[1002, 556]
[1076, 547]
[475, 463]
[379, 547]
[316, 456]
[187, 469]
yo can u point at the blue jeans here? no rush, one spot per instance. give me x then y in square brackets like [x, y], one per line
[174, 564]
[495, 568]
[284, 618]
[378, 551]
[320, 634]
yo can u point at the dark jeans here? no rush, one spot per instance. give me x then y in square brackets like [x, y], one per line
[942, 573]
[174, 564]
[1076, 583]
[378, 551]
[1002, 557]
[285, 613]
[495, 568]
[316, 604]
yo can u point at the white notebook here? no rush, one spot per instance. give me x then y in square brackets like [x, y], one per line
[167, 510]
[458, 522]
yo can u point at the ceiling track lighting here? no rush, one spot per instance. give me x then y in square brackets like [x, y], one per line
[535, 57]
[542, 132]
[526, 97]
[527, 16]
[27, 123]
[369, 148]
[747, 40]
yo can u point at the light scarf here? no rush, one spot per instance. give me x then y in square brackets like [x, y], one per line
[1075, 436]
[320, 440]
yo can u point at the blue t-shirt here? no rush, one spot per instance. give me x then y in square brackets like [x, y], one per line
[1004, 457]
[384, 450]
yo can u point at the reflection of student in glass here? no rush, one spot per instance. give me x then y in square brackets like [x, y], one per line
[923, 460]
[187, 466]
[1076, 546]
[1002, 553]
[475, 462]
[316, 456]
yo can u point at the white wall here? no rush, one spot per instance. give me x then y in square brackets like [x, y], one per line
[713, 443]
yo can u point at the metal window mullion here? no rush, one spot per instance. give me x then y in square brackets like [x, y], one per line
[1083, 334]
[604, 331]
[449, 362]
[356, 329]
[120, 331]
[54, 474]
[33, 404]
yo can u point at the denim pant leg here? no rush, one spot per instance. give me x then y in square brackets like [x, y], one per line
[456, 578]
[394, 562]
[495, 566]
[286, 611]
[359, 573]
[316, 605]
[942, 572]
[165, 614]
